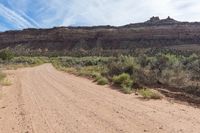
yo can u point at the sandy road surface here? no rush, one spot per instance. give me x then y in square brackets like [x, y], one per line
[44, 100]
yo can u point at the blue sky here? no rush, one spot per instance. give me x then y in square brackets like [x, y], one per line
[20, 14]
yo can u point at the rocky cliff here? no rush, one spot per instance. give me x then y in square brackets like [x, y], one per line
[152, 33]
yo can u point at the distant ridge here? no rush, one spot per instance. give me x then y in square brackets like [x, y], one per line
[156, 21]
[153, 21]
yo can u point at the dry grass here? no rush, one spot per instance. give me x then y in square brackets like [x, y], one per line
[5, 82]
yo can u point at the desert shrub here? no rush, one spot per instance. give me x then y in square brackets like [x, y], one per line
[149, 94]
[126, 90]
[167, 69]
[90, 71]
[191, 58]
[82, 62]
[102, 81]
[96, 76]
[124, 80]
[57, 64]
[71, 70]
[145, 77]
[173, 77]
[29, 60]
[192, 89]
[163, 61]
[124, 64]
[6, 54]
[194, 68]
[143, 60]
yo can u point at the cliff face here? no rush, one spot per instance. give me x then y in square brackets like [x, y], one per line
[152, 33]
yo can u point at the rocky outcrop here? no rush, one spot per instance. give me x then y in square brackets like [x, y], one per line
[156, 20]
[152, 33]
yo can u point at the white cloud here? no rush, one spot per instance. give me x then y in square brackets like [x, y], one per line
[29, 13]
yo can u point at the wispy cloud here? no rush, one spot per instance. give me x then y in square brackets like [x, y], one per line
[14, 18]
[43, 13]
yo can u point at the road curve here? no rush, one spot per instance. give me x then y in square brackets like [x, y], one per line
[44, 100]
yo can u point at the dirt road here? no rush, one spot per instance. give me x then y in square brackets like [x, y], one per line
[44, 100]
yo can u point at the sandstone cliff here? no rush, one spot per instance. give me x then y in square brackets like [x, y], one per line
[152, 33]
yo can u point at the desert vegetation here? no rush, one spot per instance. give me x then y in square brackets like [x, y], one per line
[149, 93]
[177, 72]
[22, 61]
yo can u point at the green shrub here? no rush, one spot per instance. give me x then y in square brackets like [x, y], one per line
[102, 81]
[124, 64]
[149, 94]
[90, 71]
[145, 77]
[71, 70]
[96, 76]
[143, 60]
[124, 80]
[83, 61]
[6, 54]
[126, 90]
